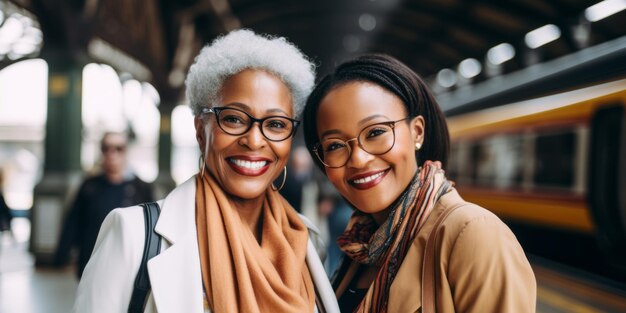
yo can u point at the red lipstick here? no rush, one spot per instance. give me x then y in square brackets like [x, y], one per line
[248, 165]
[367, 180]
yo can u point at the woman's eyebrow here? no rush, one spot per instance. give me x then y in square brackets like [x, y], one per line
[359, 123]
[277, 110]
[371, 117]
[247, 108]
[237, 104]
[330, 132]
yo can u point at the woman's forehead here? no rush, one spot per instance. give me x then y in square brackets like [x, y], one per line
[257, 91]
[349, 108]
[356, 101]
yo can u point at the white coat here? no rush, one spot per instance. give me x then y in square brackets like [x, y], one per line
[107, 282]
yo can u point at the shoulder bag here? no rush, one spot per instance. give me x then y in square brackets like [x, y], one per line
[152, 247]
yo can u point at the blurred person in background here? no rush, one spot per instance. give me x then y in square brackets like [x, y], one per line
[336, 212]
[115, 187]
[379, 135]
[5, 212]
[230, 241]
[301, 190]
[311, 194]
[299, 178]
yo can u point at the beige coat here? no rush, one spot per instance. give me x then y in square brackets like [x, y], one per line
[482, 268]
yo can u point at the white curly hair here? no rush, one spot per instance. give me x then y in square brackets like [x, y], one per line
[243, 49]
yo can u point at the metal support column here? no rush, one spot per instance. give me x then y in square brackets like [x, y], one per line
[164, 182]
[62, 169]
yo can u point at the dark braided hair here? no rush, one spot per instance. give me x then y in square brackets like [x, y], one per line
[392, 75]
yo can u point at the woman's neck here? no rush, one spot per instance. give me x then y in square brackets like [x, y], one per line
[381, 217]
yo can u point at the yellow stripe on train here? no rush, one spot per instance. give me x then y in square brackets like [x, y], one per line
[569, 106]
[569, 215]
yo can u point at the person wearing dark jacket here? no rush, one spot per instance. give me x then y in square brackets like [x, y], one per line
[96, 197]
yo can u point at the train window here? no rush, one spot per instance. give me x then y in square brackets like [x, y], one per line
[459, 162]
[473, 157]
[453, 161]
[555, 159]
[508, 163]
[498, 161]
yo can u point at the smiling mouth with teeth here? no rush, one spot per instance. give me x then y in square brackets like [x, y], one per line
[370, 181]
[367, 179]
[253, 165]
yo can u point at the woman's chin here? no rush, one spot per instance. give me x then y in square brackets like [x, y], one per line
[370, 210]
[247, 191]
[373, 206]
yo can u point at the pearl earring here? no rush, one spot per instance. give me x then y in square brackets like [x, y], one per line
[418, 146]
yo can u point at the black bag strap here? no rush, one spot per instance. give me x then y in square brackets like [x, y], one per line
[151, 248]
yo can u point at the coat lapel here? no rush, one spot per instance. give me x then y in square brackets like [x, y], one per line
[408, 281]
[320, 280]
[175, 273]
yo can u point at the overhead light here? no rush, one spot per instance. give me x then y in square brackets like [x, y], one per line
[446, 78]
[367, 22]
[469, 68]
[604, 9]
[11, 30]
[542, 36]
[500, 53]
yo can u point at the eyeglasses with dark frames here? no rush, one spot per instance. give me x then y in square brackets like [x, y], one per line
[374, 139]
[237, 122]
[106, 148]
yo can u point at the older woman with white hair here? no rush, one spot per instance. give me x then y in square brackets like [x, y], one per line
[230, 242]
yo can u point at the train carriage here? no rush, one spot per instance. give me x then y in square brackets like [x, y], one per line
[555, 162]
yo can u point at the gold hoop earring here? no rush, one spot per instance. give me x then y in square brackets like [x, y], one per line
[284, 180]
[418, 146]
[202, 166]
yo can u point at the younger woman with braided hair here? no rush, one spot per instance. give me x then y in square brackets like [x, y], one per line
[377, 132]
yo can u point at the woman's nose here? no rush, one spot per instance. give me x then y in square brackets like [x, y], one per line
[359, 157]
[254, 138]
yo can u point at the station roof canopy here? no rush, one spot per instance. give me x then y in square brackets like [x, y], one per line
[163, 36]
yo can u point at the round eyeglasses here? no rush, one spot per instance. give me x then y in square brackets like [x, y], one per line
[237, 122]
[374, 139]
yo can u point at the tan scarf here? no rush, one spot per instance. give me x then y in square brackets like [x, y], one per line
[238, 273]
[386, 245]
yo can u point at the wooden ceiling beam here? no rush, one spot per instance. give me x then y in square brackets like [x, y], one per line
[218, 9]
[443, 34]
[456, 17]
[409, 50]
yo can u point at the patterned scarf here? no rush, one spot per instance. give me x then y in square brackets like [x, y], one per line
[386, 245]
[238, 273]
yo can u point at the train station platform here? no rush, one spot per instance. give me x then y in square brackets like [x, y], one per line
[25, 288]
